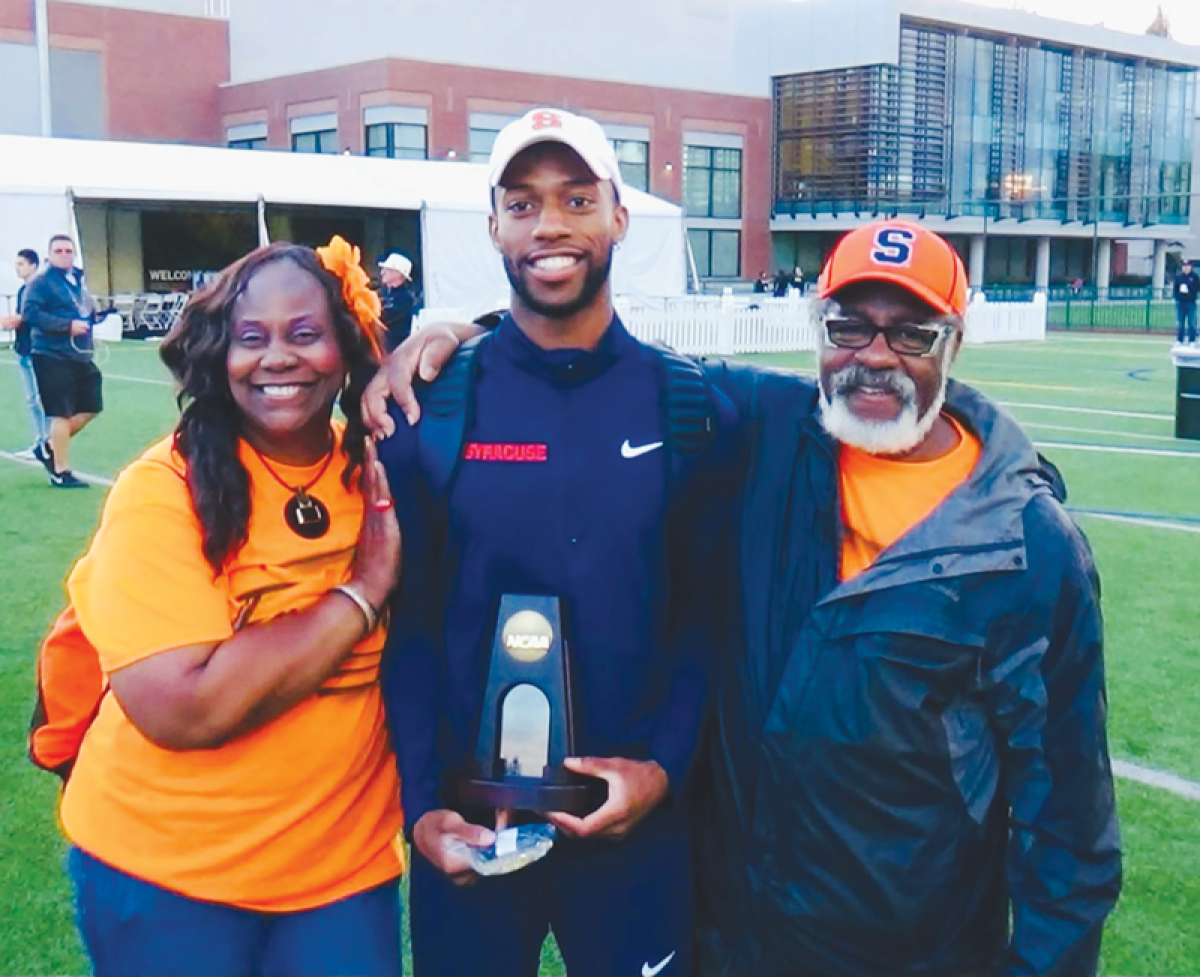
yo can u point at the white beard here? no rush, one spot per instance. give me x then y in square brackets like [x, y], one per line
[895, 437]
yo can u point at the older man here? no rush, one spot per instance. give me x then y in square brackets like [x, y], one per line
[398, 296]
[908, 769]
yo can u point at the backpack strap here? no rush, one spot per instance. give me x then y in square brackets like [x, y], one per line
[688, 411]
[447, 408]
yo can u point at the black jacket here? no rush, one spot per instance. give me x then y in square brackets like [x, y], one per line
[900, 760]
[22, 342]
[400, 304]
[1186, 287]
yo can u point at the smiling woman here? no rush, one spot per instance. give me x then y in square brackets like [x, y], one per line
[237, 779]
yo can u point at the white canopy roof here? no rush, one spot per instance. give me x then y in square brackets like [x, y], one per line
[461, 268]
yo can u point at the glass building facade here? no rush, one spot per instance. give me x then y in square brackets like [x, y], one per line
[968, 123]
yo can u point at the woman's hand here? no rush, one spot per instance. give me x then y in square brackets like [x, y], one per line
[377, 557]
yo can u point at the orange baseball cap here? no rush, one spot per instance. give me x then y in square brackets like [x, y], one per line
[903, 253]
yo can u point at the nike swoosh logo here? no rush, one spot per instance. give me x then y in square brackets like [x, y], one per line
[629, 451]
[647, 970]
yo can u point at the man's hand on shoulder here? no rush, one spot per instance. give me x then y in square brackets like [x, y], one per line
[421, 356]
[635, 788]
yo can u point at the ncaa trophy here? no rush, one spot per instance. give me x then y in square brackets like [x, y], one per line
[525, 727]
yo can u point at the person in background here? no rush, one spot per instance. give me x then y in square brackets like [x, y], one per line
[398, 296]
[781, 283]
[762, 284]
[234, 807]
[58, 310]
[1186, 290]
[798, 279]
[27, 266]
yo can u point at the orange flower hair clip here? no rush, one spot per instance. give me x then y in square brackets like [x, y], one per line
[341, 258]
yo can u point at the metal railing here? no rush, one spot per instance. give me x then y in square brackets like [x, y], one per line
[1147, 313]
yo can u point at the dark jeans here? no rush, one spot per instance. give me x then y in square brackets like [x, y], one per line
[1186, 313]
[130, 926]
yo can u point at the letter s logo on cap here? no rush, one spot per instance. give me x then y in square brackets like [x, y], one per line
[893, 246]
[546, 120]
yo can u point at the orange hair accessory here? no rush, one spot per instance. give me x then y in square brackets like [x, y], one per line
[341, 258]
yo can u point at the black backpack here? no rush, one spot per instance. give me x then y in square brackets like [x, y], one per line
[447, 412]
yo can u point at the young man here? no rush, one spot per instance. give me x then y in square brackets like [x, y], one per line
[1186, 290]
[570, 485]
[908, 771]
[27, 266]
[58, 310]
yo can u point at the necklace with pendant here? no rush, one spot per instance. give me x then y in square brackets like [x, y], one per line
[305, 514]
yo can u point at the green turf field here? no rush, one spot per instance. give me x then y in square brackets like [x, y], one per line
[1077, 395]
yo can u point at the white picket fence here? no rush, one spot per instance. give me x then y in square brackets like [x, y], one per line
[1005, 322]
[726, 325]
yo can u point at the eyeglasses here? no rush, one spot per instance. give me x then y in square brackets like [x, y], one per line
[906, 339]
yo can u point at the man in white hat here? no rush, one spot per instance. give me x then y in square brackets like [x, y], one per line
[575, 480]
[398, 297]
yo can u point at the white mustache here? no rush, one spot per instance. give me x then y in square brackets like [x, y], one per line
[856, 377]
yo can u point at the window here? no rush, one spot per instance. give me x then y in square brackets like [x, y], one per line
[323, 141]
[314, 133]
[633, 157]
[481, 134]
[718, 254]
[712, 181]
[479, 144]
[397, 131]
[397, 140]
[251, 135]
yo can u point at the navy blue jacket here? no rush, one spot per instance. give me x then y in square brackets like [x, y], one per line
[637, 555]
[900, 760]
[400, 304]
[52, 303]
[1186, 288]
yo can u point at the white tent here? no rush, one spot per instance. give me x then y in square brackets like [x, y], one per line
[39, 177]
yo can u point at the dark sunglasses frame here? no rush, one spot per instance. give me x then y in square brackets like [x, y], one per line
[935, 335]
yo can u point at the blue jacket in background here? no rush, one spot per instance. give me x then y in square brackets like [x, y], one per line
[636, 546]
[900, 761]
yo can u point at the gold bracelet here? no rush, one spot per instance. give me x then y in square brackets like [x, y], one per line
[370, 615]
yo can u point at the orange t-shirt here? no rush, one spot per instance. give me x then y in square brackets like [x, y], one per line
[298, 813]
[883, 498]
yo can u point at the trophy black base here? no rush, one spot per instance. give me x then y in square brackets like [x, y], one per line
[532, 794]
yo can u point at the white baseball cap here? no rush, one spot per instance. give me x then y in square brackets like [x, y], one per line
[397, 262]
[555, 125]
